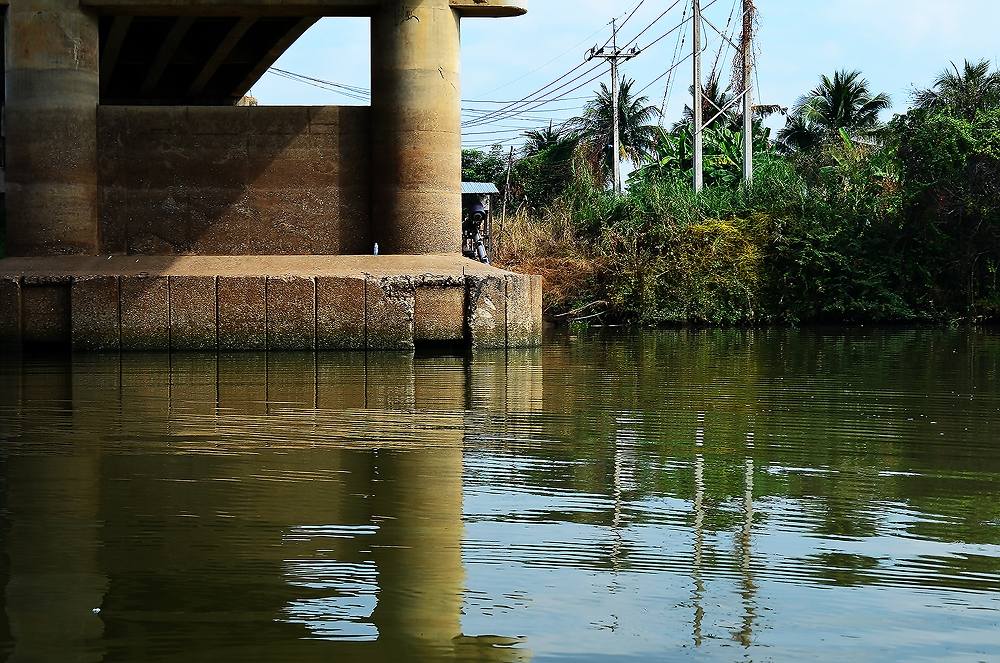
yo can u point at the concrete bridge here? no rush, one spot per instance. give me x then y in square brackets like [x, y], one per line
[137, 192]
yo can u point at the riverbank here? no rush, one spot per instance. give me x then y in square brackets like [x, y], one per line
[803, 244]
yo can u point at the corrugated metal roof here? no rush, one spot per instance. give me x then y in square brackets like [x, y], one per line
[479, 187]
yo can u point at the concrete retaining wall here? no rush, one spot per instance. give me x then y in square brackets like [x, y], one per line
[129, 303]
[234, 180]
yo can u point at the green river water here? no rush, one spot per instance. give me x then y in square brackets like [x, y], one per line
[770, 495]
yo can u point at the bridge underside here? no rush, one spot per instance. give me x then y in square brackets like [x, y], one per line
[187, 60]
[136, 191]
[167, 52]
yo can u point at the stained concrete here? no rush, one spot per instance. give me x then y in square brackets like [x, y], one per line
[96, 314]
[291, 313]
[340, 313]
[416, 127]
[10, 311]
[145, 312]
[45, 311]
[193, 323]
[234, 180]
[389, 312]
[50, 119]
[439, 312]
[242, 306]
[487, 313]
[276, 302]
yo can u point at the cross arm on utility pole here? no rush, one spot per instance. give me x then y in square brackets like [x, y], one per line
[613, 56]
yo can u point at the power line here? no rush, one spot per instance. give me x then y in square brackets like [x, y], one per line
[518, 106]
[514, 108]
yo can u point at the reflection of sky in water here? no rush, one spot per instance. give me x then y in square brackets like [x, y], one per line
[341, 596]
[347, 597]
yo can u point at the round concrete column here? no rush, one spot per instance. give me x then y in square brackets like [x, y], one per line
[51, 121]
[416, 129]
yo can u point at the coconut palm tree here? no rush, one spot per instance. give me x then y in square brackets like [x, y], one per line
[963, 91]
[715, 98]
[843, 102]
[637, 134]
[539, 140]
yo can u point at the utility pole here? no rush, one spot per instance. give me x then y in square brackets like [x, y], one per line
[506, 191]
[746, 46]
[615, 89]
[614, 56]
[699, 142]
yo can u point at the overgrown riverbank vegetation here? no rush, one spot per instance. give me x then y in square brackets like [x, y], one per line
[848, 219]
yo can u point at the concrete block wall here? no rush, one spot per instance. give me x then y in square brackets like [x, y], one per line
[234, 180]
[110, 313]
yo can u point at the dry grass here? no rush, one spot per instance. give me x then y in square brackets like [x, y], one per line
[548, 246]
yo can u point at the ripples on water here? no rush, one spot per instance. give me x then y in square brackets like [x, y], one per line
[732, 495]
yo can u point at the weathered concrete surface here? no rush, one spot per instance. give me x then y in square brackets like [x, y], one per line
[242, 306]
[275, 302]
[45, 311]
[95, 313]
[193, 323]
[234, 180]
[145, 313]
[487, 314]
[439, 311]
[50, 122]
[291, 313]
[524, 328]
[340, 313]
[416, 127]
[10, 310]
[389, 312]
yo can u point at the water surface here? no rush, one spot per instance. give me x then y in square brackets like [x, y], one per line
[717, 495]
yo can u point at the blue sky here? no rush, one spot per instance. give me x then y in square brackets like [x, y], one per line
[898, 44]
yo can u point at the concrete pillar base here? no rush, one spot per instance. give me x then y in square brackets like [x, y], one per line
[211, 303]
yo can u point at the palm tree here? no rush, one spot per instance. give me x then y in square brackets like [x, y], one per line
[637, 135]
[715, 98]
[962, 91]
[539, 140]
[844, 102]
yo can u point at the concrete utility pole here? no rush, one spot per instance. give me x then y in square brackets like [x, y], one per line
[699, 144]
[506, 191]
[746, 45]
[615, 89]
[614, 56]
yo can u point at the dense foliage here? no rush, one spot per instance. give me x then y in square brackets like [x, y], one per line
[847, 220]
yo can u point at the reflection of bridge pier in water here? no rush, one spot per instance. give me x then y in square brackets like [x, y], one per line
[220, 500]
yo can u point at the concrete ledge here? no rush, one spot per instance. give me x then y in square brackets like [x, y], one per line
[45, 312]
[275, 302]
[487, 311]
[242, 306]
[389, 305]
[145, 313]
[96, 314]
[10, 310]
[340, 313]
[193, 323]
[291, 313]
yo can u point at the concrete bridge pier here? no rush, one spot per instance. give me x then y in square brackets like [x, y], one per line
[53, 88]
[416, 130]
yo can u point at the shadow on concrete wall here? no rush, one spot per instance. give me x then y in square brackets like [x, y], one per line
[262, 180]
